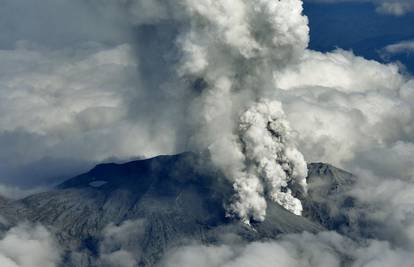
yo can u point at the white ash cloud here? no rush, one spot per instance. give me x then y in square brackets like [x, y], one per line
[274, 160]
[234, 49]
[28, 246]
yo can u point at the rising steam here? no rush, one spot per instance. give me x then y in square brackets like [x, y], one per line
[233, 47]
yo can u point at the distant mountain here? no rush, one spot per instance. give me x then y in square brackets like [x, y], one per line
[178, 198]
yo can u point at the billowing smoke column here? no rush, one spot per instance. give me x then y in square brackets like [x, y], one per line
[264, 135]
[271, 162]
[217, 59]
[232, 49]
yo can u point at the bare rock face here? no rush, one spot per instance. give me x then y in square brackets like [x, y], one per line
[177, 198]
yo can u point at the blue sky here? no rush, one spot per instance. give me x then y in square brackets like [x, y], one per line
[357, 26]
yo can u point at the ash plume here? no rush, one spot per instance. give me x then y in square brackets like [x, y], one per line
[265, 136]
[233, 47]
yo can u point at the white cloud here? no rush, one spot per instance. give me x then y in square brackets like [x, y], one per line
[324, 249]
[400, 48]
[388, 7]
[13, 192]
[72, 92]
[359, 115]
[28, 246]
[343, 106]
[395, 7]
[339, 69]
[73, 105]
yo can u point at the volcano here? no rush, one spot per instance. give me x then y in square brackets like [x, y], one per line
[178, 198]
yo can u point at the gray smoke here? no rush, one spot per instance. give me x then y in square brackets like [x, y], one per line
[234, 49]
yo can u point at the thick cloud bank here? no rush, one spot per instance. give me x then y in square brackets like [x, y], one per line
[303, 250]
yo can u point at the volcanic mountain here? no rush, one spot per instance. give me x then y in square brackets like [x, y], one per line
[177, 198]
